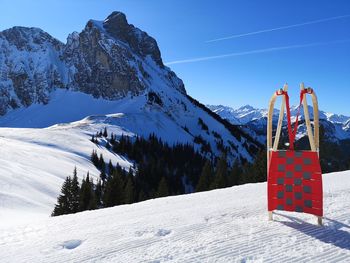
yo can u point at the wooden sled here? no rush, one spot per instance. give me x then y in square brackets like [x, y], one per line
[294, 180]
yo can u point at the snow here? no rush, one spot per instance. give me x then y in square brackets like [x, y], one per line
[38, 154]
[227, 225]
[137, 116]
[34, 164]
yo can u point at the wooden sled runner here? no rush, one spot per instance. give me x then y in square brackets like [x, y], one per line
[294, 180]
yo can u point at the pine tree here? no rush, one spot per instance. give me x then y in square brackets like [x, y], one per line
[87, 195]
[74, 192]
[235, 175]
[220, 178]
[205, 178]
[114, 190]
[98, 194]
[130, 191]
[103, 175]
[110, 167]
[63, 205]
[142, 196]
[163, 189]
[94, 158]
[105, 134]
[112, 140]
[101, 162]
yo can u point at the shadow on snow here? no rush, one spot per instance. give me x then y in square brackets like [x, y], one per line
[331, 233]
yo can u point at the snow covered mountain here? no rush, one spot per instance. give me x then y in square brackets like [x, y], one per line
[336, 126]
[55, 96]
[110, 67]
[107, 59]
[227, 225]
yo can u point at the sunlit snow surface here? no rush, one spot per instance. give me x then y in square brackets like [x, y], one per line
[228, 225]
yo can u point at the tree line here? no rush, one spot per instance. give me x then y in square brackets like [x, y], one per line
[158, 170]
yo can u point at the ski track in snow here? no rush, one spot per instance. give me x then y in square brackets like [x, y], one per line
[227, 225]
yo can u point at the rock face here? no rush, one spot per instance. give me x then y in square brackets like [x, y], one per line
[29, 67]
[108, 59]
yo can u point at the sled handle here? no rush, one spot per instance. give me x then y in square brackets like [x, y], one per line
[280, 121]
[314, 137]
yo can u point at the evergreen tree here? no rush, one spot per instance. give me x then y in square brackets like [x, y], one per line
[87, 195]
[74, 192]
[113, 139]
[220, 178]
[110, 167]
[142, 196]
[130, 191]
[114, 190]
[105, 134]
[101, 162]
[234, 174]
[103, 175]
[63, 205]
[163, 189]
[257, 171]
[205, 178]
[94, 158]
[98, 194]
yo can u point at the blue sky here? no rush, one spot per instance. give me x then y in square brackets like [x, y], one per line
[317, 53]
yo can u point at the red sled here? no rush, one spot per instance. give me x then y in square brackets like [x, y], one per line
[294, 181]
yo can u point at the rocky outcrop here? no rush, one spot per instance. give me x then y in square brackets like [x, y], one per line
[109, 59]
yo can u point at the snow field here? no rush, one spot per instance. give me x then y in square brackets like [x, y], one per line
[227, 225]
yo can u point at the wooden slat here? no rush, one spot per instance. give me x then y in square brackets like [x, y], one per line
[280, 120]
[307, 121]
[316, 121]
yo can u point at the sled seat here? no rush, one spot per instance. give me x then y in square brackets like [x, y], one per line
[295, 182]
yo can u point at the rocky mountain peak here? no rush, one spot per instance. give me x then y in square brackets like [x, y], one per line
[29, 38]
[117, 26]
[110, 59]
[116, 20]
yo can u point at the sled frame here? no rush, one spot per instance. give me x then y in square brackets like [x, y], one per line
[313, 134]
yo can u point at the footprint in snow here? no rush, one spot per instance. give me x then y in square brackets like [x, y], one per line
[163, 232]
[71, 244]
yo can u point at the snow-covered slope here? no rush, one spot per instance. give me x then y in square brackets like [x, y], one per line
[174, 119]
[35, 162]
[227, 225]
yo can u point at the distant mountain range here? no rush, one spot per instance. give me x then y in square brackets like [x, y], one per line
[336, 126]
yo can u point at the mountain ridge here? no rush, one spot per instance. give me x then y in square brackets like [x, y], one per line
[336, 126]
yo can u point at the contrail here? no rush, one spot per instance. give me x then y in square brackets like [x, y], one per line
[256, 51]
[278, 28]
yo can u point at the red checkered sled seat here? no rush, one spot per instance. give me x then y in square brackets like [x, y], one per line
[294, 180]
